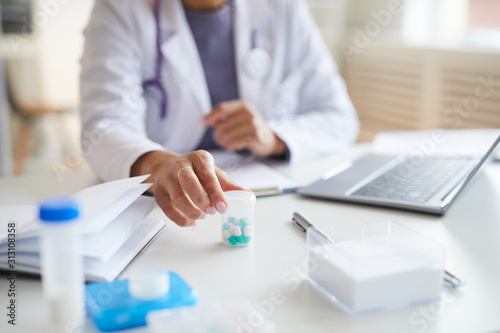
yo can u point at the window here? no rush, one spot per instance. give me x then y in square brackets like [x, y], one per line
[452, 23]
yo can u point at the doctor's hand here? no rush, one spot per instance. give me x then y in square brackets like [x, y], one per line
[237, 125]
[186, 187]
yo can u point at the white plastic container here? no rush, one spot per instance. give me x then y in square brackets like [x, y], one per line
[238, 220]
[149, 284]
[239, 315]
[62, 265]
[383, 266]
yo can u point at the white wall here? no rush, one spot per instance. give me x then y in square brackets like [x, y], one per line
[331, 18]
[44, 66]
[60, 45]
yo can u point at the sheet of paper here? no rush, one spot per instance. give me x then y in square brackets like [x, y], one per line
[252, 174]
[462, 142]
[95, 199]
[104, 244]
[96, 215]
[98, 222]
[101, 245]
[114, 227]
[96, 270]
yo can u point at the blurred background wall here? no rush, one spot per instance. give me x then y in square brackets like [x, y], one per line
[41, 47]
[408, 64]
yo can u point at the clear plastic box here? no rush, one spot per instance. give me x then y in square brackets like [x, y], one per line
[238, 220]
[385, 265]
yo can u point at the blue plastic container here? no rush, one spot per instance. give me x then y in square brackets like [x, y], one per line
[111, 307]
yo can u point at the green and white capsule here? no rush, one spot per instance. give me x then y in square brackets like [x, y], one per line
[247, 234]
[236, 232]
[230, 238]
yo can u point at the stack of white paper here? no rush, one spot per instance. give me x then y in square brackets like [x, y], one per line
[252, 174]
[114, 227]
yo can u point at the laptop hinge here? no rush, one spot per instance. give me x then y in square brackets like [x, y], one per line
[452, 194]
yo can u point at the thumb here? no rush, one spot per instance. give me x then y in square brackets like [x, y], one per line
[226, 183]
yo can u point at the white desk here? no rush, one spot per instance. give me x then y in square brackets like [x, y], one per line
[470, 231]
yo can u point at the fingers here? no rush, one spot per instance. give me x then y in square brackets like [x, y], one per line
[237, 119]
[204, 167]
[238, 130]
[163, 200]
[191, 186]
[178, 215]
[227, 184]
[222, 112]
[237, 126]
[183, 202]
[235, 138]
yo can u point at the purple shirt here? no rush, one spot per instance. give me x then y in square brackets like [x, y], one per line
[213, 34]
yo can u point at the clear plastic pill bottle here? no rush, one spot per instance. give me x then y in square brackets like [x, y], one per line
[238, 220]
[62, 264]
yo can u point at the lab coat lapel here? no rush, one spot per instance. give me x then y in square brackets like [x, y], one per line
[250, 15]
[180, 51]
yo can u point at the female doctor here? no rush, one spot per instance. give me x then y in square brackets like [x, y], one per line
[164, 80]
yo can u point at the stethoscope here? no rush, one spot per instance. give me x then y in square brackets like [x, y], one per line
[156, 82]
[256, 63]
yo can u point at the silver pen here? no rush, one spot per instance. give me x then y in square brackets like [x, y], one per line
[450, 280]
[303, 224]
[264, 192]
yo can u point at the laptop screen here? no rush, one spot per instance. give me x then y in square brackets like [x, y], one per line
[482, 160]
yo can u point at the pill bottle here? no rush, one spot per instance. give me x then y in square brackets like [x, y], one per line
[238, 220]
[62, 264]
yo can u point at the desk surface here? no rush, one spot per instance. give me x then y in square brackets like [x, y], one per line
[470, 230]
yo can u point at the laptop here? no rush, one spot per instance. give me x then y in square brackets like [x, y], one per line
[427, 185]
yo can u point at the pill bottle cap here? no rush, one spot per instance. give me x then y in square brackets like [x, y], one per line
[59, 210]
[149, 284]
[240, 198]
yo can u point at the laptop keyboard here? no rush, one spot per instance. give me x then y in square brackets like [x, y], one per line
[410, 182]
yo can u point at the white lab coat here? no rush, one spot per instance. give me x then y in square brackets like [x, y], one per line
[303, 98]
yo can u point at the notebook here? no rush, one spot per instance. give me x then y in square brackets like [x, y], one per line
[249, 172]
[427, 183]
[114, 224]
